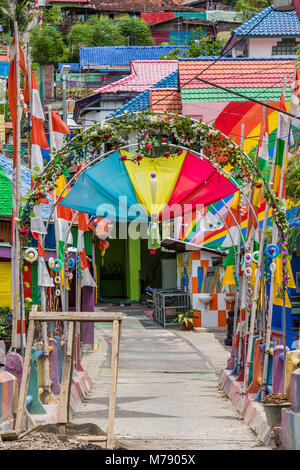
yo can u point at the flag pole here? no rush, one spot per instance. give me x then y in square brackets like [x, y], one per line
[272, 281]
[282, 197]
[16, 246]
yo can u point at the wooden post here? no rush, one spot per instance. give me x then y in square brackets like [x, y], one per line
[25, 377]
[113, 383]
[66, 381]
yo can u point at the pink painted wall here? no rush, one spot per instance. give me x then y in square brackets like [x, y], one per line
[208, 111]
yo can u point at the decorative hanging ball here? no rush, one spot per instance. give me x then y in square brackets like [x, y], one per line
[248, 271]
[51, 262]
[57, 292]
[57, 279]
[153, 175]
[30, 255]
[57, 265]
[255, 257]
[248, 258]
[272, 251]
[273, 267]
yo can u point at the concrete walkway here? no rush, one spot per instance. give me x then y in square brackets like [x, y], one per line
[167, 388]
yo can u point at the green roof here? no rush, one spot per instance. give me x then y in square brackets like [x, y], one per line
[215, 94]
[6, 195]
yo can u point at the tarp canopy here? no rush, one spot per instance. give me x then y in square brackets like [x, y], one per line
[121, 188]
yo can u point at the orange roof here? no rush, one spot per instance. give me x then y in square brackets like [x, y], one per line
[236, 73]
[166, 99]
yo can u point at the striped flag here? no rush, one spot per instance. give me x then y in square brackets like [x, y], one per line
[65, 215]
[263, 151]
[295, 101]
[231, 220]
[59, 130]
[283, 125]
[232, 239]
[39, 140]
[87, 279]
[257, 199]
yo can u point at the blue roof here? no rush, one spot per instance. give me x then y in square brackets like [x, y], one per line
[7, 166]
[73, 67]
[4, 68]
[142, 101]
[171, 81]
[115, 55]
[269, 22]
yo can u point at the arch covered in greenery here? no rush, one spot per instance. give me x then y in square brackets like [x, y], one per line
[154, 133]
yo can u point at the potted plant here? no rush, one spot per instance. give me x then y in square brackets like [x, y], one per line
[6, 326]
[273, 404]
[185, 319]
[197, 318]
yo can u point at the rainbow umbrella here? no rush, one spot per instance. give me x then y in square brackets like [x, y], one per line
[120, 187]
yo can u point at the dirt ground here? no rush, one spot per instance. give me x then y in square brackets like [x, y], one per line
[47, 437]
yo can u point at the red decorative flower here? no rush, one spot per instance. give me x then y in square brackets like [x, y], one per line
[147, 133]
[148, 145]
[167, 154]
[139, 158]
[123, 158]
[106, 136]
[163, 139]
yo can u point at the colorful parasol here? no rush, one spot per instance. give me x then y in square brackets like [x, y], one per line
[123, 186]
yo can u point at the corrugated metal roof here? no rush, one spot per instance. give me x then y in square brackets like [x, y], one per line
[7, 166]
[73, 67]
[4, 68]
[269, 22]
[216, 95]
[258, 78]
[123, 55]
[165, 100]
[143, 75]
[141, 101]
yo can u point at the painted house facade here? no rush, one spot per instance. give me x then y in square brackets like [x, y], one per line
[270, 33]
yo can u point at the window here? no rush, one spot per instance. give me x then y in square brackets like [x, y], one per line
[287, 46]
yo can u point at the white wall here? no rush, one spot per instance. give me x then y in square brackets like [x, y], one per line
[107, 107]
[262, 47]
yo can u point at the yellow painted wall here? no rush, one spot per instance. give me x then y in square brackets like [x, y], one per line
[2, 128]
[5, 284]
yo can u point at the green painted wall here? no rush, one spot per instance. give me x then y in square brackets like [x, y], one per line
[133, 268]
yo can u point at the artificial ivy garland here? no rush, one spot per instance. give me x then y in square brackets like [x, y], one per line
[153, 130]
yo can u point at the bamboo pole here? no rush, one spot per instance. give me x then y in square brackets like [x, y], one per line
[274, 240]
[237, 264]
[16, 248]
[256, 292]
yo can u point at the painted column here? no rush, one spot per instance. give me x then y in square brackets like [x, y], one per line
[133, 268]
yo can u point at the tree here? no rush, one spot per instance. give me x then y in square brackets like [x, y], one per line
[46, 44]
[53, 15]
[95, 32]
[136, 32]
[199, 45]
[19, 11]
[251, 7]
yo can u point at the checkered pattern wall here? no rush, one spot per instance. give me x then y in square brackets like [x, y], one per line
[206, 278]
